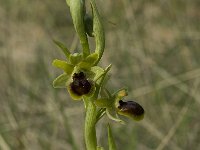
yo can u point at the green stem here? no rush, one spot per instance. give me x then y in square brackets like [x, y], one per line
[90, 122]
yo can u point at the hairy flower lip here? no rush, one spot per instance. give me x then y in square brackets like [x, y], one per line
[130, 108]
[80, 84]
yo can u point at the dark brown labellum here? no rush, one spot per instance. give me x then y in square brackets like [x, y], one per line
[80, 84]
[131, 107]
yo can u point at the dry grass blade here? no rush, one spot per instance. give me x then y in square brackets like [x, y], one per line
[173, 129]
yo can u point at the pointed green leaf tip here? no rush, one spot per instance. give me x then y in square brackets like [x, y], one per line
[60, 81]
[68, 68]
[63, 48]
[111, 141]
[75, 58]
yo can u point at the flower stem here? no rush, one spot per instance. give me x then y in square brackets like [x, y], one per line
[90, 122]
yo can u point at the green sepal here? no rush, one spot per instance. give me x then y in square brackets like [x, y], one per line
[63, 48]
[67, 68]
[111, 141]
[89, 61]
[98, 31]
[75, 58]
[60, 81]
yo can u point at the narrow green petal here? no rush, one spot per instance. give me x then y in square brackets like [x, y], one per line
[75, 58]
[89, 61]
[68, 68]
[60, 81]
[111, 141]
[63, 48]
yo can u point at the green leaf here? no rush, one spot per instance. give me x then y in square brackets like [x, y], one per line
[63, 48]
[77, 9]
[75, 58]
[98, 31]
[68, 68]
[60, 81]
[111, 142]
[89, 61]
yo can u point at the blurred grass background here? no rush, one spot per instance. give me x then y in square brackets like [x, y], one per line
[154, 47]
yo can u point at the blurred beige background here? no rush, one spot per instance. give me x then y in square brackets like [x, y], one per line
[154, 47]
